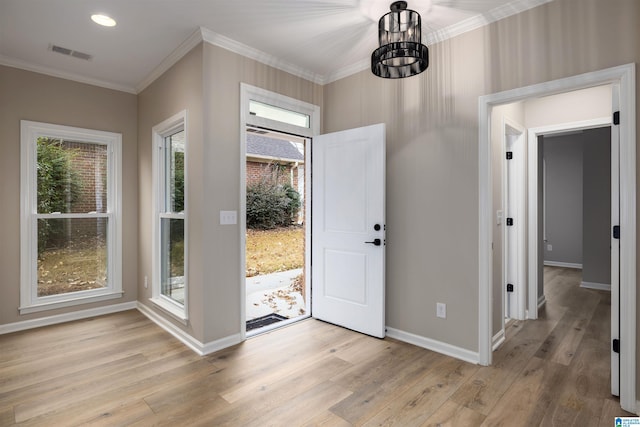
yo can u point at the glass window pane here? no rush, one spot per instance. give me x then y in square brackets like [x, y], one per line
[72, 255]
[172, 259]
[174, 172]
[279, 114]
[72, 176]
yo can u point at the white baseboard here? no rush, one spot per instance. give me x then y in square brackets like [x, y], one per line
[66, 317]
[542, 300]
[437, 346]
[597, 286]
[497, 340]
[197, 346]
[562, 264]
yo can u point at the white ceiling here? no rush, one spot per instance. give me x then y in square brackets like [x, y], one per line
[318, 39]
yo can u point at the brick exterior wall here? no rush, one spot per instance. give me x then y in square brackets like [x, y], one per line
[90, 162]
[259, 171]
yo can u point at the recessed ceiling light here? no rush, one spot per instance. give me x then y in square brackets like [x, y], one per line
[103, 20]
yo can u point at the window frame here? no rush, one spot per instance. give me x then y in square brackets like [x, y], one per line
[250, 93]
[30, 131]
[168, 127]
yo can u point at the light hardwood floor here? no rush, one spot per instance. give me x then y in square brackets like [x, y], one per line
[122, 369]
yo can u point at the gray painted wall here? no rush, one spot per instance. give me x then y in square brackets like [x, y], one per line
[578, 200]
[596, 219]
[563, 201]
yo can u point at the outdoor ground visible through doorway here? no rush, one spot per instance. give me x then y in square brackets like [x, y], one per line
[275, 278]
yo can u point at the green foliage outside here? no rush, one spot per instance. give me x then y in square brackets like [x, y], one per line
[59, 186]
[271, 204]
[178, 182]
[177, 226]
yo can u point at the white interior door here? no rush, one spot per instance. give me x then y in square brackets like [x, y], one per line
[348, 230]
[515, 234]
[615, 245]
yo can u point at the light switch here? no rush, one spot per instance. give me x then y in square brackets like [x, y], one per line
[498, 217]
[228, 217]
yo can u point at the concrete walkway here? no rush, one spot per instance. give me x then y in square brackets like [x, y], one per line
[270, 293]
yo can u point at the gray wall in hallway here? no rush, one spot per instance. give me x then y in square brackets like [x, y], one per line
[596, 219]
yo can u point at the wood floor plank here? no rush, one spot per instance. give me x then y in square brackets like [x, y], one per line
[488, 385]
[610, 410]
[450, 414]
[585, 389]
[314, 401]
[295, 362]
[416, 404]
[279, 393]
[193, 414]
[526, 401]
[121, 369]
[99, 395]
[7, 417]
[127, 414]
[326, 419]
[376, 383]
[67, 363]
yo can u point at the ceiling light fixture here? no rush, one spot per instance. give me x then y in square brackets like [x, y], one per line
[104, 20]
[401, 52]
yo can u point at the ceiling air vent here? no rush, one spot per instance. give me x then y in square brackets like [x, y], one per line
[70, 52]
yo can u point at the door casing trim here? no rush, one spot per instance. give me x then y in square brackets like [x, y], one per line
[624, 76]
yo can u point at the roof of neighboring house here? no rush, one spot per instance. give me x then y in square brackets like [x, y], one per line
[262, 146]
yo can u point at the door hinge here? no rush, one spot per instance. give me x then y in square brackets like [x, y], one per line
[615, 345]
[509, 155]
[616, 118]
[616, 231]
[509, 287]
[509, 222]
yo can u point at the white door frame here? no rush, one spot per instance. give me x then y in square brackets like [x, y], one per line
[625, 77]
[532, 136]
[248, 93]
[510, 127]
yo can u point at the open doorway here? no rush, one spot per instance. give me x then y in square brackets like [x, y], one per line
[621, 79]
[275, 208]
[276, 234]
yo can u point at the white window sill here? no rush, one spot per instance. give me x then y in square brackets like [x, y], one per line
[171, 309]
[34, 308]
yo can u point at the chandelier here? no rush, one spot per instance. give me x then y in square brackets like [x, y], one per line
[401, 52]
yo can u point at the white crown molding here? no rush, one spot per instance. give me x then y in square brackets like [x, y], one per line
[257, 55]
[185, 47]
[343, 72]
[24, 65]
[481, 20]
[66, 317]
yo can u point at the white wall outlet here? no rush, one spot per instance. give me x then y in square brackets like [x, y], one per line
[146, 282]
[549, 247]
[228, 217]
[441, 310]
[498, 217]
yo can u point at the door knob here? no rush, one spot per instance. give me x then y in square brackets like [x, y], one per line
[376, 242]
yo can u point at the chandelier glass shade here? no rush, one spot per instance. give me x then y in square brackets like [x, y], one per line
[401, 52]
